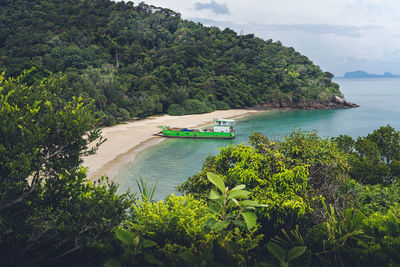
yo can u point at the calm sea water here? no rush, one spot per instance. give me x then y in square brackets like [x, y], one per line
[173, 160]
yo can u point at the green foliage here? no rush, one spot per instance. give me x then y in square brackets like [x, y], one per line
[375, 158]
[288, 178]
[327, 164]
[268, 175]
[284, 256]
[176, 110]
[188, 231]
[375, 198]
[385, 227]
[338, 238]
[289, 240]
[177, 220]
[144, 58]
[51, 214]
[45, 197]
[230, 212]
[194, 106]
[229, 206]
[40, 131]
[147, 192]
[135, 250]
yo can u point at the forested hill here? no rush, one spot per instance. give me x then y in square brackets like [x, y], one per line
[138, 60]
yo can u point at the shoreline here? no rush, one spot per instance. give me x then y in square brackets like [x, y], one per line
[126, 141]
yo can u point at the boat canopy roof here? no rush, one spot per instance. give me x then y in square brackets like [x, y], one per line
[224, 122]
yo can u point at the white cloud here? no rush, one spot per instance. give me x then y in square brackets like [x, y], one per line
[213, 6]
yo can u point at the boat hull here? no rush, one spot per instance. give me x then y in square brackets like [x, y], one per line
[202, 135]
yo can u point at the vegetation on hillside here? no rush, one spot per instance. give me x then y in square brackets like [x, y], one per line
[138, 60]
[304, 200]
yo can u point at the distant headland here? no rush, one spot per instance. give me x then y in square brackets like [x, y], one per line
[362, 74]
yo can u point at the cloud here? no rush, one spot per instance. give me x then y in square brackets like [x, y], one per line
[337, 35]
[319, 29]
[213, 6]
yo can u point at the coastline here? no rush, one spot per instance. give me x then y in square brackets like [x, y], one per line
[125, 141]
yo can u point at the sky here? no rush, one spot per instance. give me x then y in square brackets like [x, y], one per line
[339, 36]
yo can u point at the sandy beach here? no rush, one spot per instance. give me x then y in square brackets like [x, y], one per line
[125, 141]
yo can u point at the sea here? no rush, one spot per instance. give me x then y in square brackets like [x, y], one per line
[170, 162]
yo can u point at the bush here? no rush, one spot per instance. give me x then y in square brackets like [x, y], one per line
[194, 106]
[178, 220]
[385, 227]
[124, 114]
[48, 208]
[375, 198]
[266, 175]
[221, 105]
[175, 225]
[176, 110]
[374, 159]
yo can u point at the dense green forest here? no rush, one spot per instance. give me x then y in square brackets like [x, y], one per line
[300, 201]
[138, 60]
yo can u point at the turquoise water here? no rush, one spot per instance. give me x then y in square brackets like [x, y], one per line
[173, 160]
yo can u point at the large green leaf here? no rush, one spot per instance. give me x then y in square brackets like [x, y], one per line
[238, 187]
[217, 181]
[295, 253]
[125, 236]
[113, 262]
[357, 219]
[214, 195]
[210, 222]
[151, 259]
[238, 194]
[220, 226]
[277, 251]
[251, 203]
[148, 243]
[250, 219]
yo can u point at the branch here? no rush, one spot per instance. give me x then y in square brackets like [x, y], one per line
[76, 247]
[55, 153]
[19, 199]
[87, 228]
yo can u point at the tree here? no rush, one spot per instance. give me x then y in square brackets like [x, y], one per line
[45, 197]
[267, 176]
[172, 60]
[373, 159]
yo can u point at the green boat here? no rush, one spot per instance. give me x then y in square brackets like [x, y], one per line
[223, 129]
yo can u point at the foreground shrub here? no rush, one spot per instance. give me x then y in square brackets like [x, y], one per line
[374, 159]
[49, 211]
[269, 178]
[384, 226]
[375, 198]
[175, 225]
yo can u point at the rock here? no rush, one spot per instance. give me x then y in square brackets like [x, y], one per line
[338, 99]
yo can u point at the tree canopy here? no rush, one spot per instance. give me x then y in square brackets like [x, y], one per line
[48, 209]
[138, 60]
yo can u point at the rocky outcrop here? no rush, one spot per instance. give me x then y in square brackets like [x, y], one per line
[336, 102]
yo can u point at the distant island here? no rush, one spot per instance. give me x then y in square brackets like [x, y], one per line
[362, 74]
